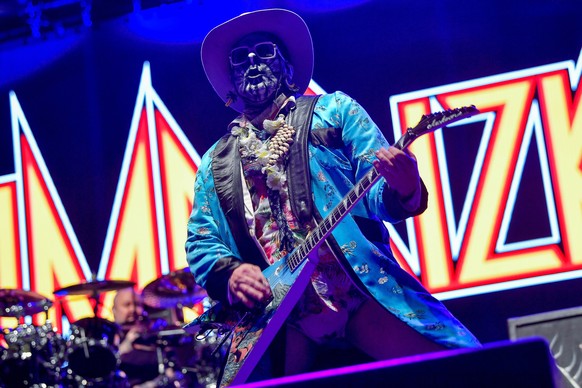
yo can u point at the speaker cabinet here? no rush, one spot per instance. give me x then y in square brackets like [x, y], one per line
[562, 329]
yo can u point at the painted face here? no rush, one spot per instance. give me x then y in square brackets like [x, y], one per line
[257, 69]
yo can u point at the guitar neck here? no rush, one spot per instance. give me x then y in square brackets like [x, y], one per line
[323, 230]
[427, 124]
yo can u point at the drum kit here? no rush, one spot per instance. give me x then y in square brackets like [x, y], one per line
[88, 355]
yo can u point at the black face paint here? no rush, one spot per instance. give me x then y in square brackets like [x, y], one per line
[258, 81]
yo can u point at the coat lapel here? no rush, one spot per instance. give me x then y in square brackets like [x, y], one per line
[228, 185]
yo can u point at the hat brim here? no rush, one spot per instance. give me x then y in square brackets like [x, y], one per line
[286, 25]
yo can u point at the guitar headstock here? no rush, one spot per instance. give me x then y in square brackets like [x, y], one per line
[433, 121]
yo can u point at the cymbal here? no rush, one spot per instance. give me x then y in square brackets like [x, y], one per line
[19, 303]
[173, 289]
[94, 287]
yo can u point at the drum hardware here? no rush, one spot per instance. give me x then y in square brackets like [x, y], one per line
[166, 341]
[199, 361]
[181, 360]
[176, 289]
[166, 296]
[193, 360]
[32, 353]
[159, 333]
[91, 356]
[92, 350]
[20, 303]
[94, 289]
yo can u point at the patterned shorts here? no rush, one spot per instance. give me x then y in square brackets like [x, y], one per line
[325, 324]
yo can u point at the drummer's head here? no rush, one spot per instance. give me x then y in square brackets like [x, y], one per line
[127, 306]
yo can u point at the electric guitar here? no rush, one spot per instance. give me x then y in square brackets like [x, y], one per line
[252, 331]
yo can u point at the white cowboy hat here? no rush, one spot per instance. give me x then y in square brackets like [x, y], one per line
[285, 25]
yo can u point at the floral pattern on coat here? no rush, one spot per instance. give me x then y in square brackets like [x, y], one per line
[398, 291]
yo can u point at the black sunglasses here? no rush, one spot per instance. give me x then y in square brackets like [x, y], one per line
[263, 50]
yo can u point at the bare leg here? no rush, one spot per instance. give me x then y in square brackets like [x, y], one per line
[299, 351]
[383, 336]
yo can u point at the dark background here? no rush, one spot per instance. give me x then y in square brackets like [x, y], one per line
[77, 82]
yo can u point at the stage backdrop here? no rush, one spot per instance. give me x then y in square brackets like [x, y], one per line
[102, 125]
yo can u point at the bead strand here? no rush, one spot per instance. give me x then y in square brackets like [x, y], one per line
[280, 143]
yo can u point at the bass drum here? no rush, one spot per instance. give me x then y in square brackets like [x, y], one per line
[32, 356]
[91, 358]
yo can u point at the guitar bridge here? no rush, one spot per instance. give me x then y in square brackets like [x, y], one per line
[260, 307]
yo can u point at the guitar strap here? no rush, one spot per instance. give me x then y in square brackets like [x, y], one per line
[227, 180]
[299, 176]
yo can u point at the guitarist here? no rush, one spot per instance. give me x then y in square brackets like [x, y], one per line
[285, 162]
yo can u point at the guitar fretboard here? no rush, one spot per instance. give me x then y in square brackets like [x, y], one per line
[428, 123]
[323, 230]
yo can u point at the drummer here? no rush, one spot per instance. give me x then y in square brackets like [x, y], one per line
[138, 361]
[128, 314]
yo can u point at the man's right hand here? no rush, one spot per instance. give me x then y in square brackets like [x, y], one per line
[126, 345]
[248, 285]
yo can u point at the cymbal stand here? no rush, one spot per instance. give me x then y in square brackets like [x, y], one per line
[164, 361]
[95, 297]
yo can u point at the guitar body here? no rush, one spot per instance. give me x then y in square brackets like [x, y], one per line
[253, 331]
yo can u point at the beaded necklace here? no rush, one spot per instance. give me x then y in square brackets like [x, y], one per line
[271, 154]
[268, 158]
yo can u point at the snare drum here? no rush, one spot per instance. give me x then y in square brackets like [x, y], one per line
[91, 356]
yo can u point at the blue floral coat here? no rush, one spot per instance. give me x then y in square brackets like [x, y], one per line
[215, 245]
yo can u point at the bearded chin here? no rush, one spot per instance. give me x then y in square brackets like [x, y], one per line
[261, 92]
